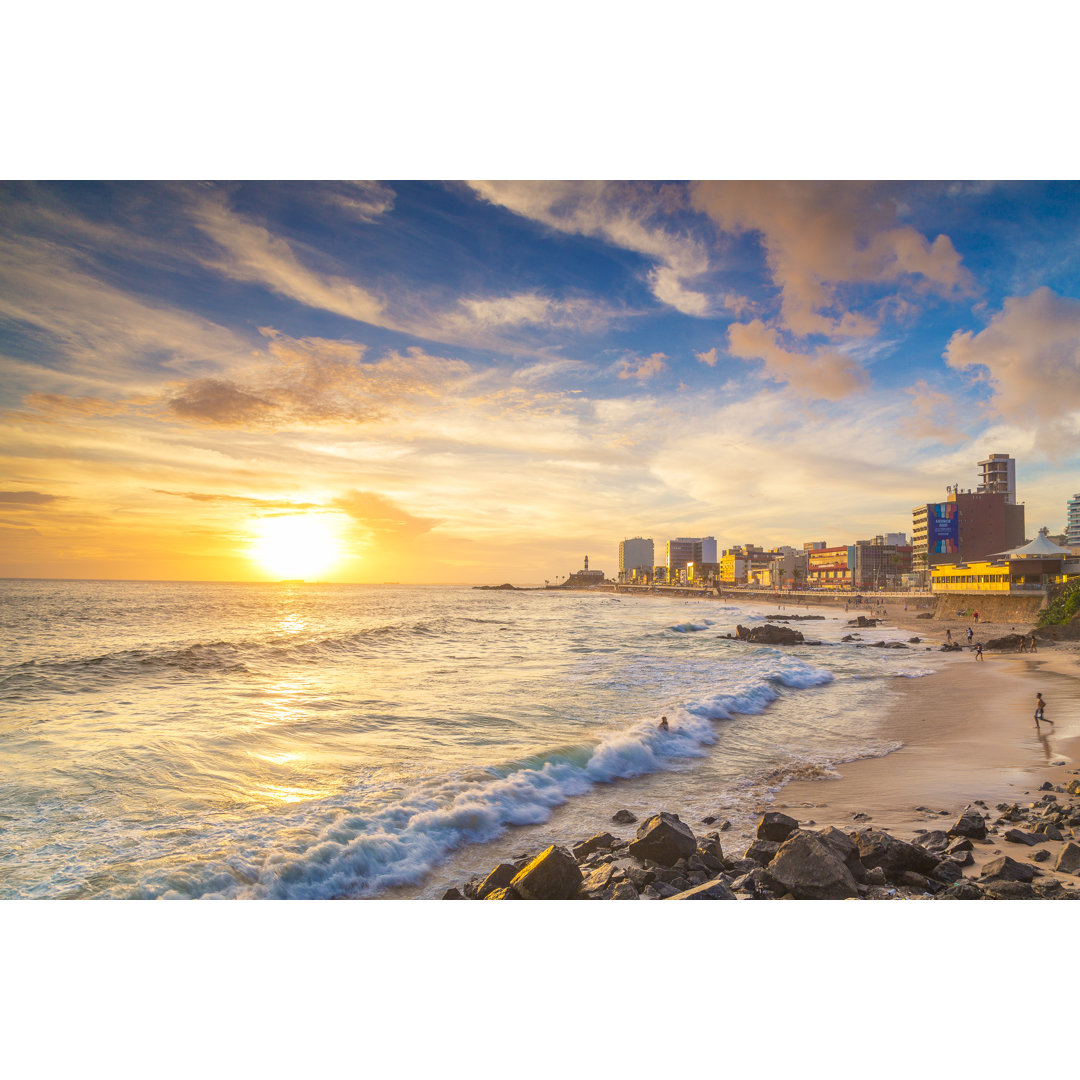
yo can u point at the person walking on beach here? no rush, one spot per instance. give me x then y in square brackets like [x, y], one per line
[970, 635]
[1032, 646]
[1040, 708]
[978, 652]
[948, 637]
[1023, 643]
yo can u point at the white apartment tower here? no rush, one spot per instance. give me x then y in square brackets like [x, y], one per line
[999, 474]
[1072, 525]
[635, 554]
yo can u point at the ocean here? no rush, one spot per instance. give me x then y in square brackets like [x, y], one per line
[242, 741]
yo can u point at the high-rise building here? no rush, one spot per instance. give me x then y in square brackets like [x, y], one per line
[688, 549]
[635, 558]
[968, 525]
[1072, 524]
[999, 475]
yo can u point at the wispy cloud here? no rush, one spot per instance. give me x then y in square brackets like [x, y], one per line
[642, 367]
[250, 252]
[624, 215]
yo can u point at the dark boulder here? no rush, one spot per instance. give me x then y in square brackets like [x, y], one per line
[623, 817]
[948, 871]
[594, 843]
[659, 890]
[1018, 836]
[452, 894]
[1069, 860]
[769, 635]
[862, 620]
[970, 823]
[1010, 642]
[716, 889]
[1007, 869]
[1009, 890]
[895, 857]
[663, 839]
[843, 847]
[962, 890]
[553, 875]
[499, 878]
[937, 840]
[621, 890]
[775, 826]
[762, 851]
[809, 869]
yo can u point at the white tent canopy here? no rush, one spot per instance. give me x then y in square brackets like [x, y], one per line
[1040, 547]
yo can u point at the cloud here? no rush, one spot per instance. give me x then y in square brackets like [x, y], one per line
[382, 516]
[818, 236]
[622, 214]
[363, 200]
[27, 498]
[245, 500]
[709, 358]
[1029, 354]
[643, 368]
[316, 381]
[252, 253]
[824, 373]
[933, 414]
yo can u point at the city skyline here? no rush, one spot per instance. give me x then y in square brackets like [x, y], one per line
[471, 382]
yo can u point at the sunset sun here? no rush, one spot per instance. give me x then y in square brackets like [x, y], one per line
[301, 546]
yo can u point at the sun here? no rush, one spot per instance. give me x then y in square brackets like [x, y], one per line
[297, 546]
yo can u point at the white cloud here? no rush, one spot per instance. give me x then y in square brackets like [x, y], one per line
[1030, 356]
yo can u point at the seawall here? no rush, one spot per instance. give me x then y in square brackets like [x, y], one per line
[1021, 610]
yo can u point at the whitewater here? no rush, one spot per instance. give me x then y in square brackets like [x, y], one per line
[247, 741]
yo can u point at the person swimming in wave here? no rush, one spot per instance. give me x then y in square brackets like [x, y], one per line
[663, 725]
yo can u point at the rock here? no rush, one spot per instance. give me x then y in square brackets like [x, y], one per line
[1010, 642]
[962, 890]
[663, 839]
[894, 856]
[769, 635]
[843, 847]
[659, 890]
[925, 615]
[936, 840]
[499, 878]
[948, 871]
[960, 844]
[1068, 861]
[623, 817]
[914, 641]
[622, 890]
[775, 826]
[594, 843]
[502, 894]
[1007, 869]
[1009, 890]
[1046, 786]
[1018, 836]
[1049, 831]
[601, 878]
[553, 875]
[1040, 856]
[639, 877]
[919, 881]
[708, 820]
[716, 889]
[862, 620]
[809, 869]
[876, 876]
[452, 894]
[762, 851]
[1073, 787]
[970, 823]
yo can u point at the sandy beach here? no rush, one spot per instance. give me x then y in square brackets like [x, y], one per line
[968, 734]
[969, 739]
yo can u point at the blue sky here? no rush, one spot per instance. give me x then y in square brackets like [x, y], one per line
[479, 381]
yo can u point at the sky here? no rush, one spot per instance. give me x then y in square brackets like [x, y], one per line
[479, 382]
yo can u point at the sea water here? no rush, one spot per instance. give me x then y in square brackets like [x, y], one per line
[187, 740]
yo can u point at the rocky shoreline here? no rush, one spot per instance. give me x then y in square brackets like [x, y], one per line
[970, 859]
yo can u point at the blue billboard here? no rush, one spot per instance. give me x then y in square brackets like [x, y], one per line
[943, 528]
